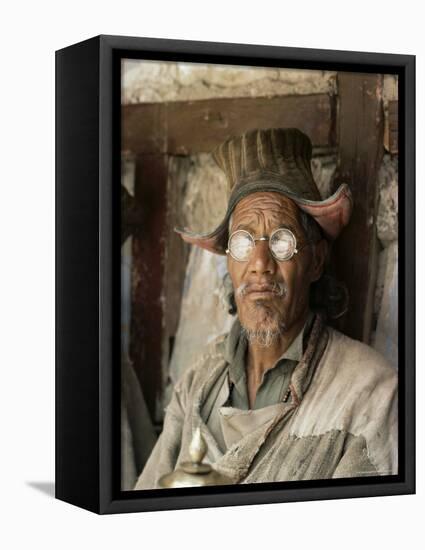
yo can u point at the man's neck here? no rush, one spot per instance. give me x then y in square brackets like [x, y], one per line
[260, 359]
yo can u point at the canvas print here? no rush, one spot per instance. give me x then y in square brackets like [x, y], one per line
[259, 274]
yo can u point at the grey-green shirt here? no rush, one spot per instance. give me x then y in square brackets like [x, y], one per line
[275, 380]
[231, 390]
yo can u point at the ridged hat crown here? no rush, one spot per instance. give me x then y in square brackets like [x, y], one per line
[276, 155]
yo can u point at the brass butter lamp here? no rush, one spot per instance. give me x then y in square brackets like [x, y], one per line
[194, 473]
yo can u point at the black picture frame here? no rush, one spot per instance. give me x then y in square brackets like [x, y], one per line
[87, 273]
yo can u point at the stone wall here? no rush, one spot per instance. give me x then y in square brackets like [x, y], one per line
[152, 81]
[385, 337]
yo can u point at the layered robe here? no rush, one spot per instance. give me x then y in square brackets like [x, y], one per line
[340, 421]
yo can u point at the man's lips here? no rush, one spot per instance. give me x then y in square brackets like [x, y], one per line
[264, 290]
[255, 287]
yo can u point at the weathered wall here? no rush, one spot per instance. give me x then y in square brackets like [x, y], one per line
[385, 337]
[151, 81]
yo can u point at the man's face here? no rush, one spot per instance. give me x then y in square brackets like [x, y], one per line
[271, 296]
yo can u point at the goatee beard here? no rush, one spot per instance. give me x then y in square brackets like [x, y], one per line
[262, 337]
[269, 325]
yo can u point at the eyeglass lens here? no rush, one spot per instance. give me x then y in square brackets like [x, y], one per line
[282, 244]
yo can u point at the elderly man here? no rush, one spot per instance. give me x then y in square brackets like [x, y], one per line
[282, 396]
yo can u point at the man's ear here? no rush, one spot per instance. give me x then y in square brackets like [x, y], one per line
[319, 258]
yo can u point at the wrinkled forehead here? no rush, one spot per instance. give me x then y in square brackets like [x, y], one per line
[266, 210]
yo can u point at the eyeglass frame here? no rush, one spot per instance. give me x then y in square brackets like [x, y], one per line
[296, 250]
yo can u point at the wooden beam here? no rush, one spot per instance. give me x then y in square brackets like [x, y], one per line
[393, 127]
[148, 275]
[131, 215]
[189, 127]
[176, 254]
[176, 249]
[143, 128]
[360, 134]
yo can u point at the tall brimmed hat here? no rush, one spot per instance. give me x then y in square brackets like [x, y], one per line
[276, 160]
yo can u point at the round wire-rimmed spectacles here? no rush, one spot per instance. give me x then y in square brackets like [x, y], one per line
[282, 244]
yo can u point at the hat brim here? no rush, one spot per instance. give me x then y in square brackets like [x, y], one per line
[332, 214]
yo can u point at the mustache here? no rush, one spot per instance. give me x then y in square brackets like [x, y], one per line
[277, 288]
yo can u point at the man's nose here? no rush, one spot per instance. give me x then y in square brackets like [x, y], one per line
[261, 260]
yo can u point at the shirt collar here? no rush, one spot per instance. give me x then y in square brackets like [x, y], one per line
[236, 344]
